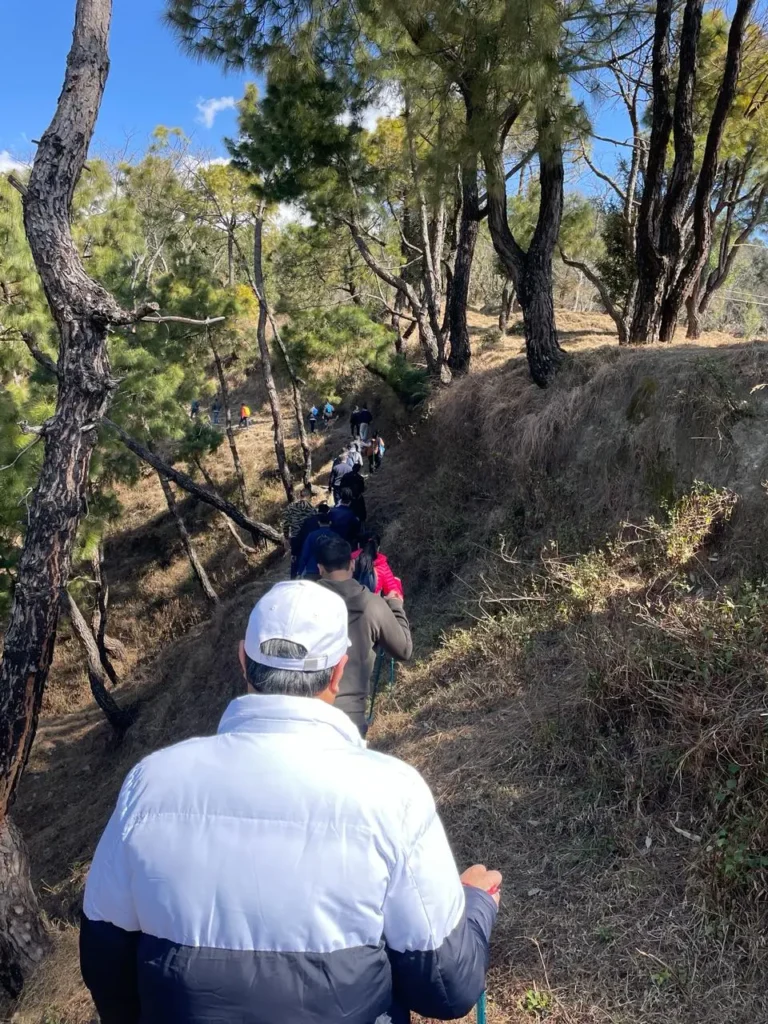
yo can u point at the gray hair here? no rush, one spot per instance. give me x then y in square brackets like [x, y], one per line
[286, 682]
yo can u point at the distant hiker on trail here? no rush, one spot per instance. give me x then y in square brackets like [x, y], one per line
[340, 469]
[343, 519]
[365, 419]
[355, 483]
[373, 621]
[245, 413]
[278, 871]
[194, 409]
[293, 518]
[328, 412]
[375, 452]
[314, 412]
[215, 412]
[354, 422]
[372, 569]
[353, 454]
[319, 527]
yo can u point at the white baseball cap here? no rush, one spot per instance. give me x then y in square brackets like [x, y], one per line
[304, 613]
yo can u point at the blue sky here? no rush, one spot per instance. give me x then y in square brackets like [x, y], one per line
[151, 81]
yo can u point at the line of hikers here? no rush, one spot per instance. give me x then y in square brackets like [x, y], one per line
[280, 872]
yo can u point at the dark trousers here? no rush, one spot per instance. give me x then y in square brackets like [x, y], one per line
[312, 425]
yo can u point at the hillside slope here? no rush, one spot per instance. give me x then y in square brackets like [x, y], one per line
[584, 574]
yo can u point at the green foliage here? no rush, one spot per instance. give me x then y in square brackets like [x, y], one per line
[616, 265]
[537, 1003]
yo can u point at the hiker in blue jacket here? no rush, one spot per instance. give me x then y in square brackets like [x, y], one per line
[307, 563]
[343, 519]
[279, 872]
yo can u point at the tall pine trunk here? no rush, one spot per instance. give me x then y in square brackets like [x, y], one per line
[298, 403]
[186, 540]
[266, 359]
[460, 352]
[224, 387]
[531, 271]
[83, 312]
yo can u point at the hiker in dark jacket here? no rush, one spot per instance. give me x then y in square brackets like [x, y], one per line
[354, 422]
[306, 566]
[364, 420]
[374, 621]
[339, 471]
[343, 519]
[355, 483]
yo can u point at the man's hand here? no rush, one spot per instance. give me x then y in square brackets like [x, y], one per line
[394, 595]
[479, 877]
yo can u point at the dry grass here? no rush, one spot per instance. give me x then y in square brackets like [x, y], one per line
[604, 747]
[579, 725]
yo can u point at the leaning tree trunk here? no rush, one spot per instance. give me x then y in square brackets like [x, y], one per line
[106, 645]
[119, 718]
[83, 312]
[228, 422]
[186, 540]
[246, 550]
[460, 352]
[257, 530]
[266, 360]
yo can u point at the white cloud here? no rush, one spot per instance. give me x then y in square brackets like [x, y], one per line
[9, 163]
[388, 104]
[290, 213]
[209, 109]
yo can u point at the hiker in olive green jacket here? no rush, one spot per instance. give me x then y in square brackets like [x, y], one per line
[374, 621]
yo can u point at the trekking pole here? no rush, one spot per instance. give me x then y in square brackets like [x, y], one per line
[391, 682]
[480, 1009]
[376, 674]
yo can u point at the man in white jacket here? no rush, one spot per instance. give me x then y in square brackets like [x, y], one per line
[280, 872]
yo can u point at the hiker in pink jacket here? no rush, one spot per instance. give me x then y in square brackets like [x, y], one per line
[372, 568]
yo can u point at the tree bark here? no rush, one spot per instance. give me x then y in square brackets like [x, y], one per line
[183, 480]
[228, 422]
[693, 332]
[186, 540]
[266, 360]
[118, 717]
[460, 354]
[82, 311]
[23, 938]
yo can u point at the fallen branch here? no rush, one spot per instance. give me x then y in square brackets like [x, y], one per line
[182, 320]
